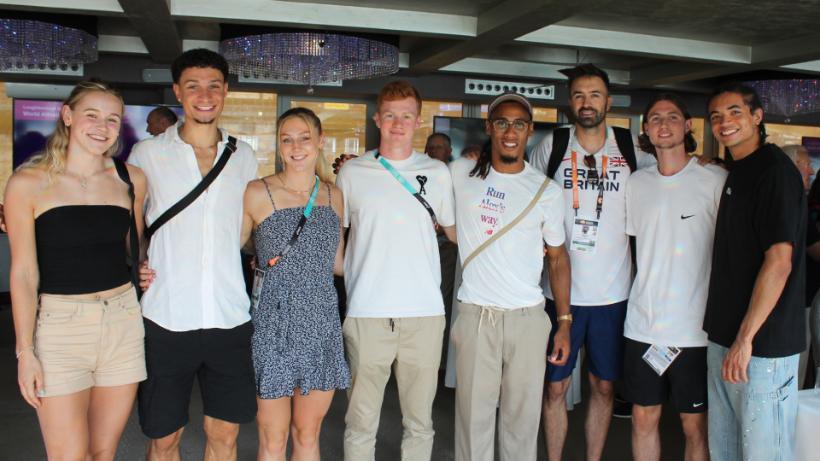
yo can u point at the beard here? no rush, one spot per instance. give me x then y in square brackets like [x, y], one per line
[589, 122]
[508, 159]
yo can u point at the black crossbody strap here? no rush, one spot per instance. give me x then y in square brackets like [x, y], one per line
[626, 146]
[560, 142]
[183, 203]
[133, 238]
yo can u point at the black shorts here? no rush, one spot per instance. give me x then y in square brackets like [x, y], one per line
[219, 358]
[684, 381]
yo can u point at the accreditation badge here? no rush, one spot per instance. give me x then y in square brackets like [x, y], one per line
[660, 357]
[258, 283]
[584, 235]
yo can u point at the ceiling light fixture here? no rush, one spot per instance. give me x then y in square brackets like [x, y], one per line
[27, 43]
[309, 57]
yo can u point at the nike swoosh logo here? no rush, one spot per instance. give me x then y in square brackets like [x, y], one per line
[686, 217]
[695, 405]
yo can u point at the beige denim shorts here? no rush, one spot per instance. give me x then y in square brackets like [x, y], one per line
[89, 343]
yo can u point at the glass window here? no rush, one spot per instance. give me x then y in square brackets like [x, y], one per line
[251, 117]
[789, 134]
[697, 132]
[343, 125]
[621, 121]
[429, 109]
[545, 114]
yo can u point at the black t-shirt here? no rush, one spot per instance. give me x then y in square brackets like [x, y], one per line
[762, 204]
[812, 267]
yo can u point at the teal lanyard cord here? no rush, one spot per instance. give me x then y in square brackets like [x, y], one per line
[312, 199]
[387, 166]
[301, 225]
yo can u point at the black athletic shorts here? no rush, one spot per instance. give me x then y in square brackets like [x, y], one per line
[219, 358]
[684, 381]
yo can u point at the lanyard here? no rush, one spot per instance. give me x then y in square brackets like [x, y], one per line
[387, 166]
[576, 202]
[301, 225]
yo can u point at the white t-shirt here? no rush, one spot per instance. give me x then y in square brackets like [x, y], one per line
[196, 255]
[507, 273]
[392, 264]
[673, 221]
[605, 276]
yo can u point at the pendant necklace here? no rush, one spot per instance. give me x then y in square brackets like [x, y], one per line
[83, 180]
[297, 191]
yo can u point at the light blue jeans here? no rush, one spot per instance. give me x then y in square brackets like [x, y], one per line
[754, 420]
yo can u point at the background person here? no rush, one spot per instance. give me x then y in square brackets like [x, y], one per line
[438, 147]
[159, 120]
[800, 157]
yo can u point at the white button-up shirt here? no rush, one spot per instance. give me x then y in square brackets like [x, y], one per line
[196, 256]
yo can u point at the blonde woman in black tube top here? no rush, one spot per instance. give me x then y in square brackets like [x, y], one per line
[80, 348]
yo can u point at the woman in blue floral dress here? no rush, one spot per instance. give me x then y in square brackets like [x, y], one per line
[297, 344]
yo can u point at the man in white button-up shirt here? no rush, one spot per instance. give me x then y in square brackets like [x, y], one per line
[196, 311]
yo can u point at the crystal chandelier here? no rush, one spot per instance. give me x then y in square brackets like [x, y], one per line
[32, 44]
[310, 57]
[789, 97]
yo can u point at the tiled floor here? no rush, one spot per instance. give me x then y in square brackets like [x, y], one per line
[20, 436]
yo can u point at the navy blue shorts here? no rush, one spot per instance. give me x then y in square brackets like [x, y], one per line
[600, 329]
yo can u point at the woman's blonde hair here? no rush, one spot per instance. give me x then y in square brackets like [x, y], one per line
[315, 125]
[53, 157]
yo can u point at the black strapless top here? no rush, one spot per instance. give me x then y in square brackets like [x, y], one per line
[82, 248]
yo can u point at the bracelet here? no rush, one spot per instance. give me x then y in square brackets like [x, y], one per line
[565, 317]
[20, 352]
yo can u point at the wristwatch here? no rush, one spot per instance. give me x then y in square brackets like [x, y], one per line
[565, 317]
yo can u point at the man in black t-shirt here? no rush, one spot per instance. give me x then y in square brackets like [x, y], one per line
[754, 313]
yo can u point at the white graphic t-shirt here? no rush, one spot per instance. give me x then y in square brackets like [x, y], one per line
[507, 273]
[673, 221]
[391, 263]
[601, 273]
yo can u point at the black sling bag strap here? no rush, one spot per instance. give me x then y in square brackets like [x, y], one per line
[560, 142]
[133, 238]
[183, 203]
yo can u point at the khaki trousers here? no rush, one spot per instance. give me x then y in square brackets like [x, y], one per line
[500, 364]
[411, 346]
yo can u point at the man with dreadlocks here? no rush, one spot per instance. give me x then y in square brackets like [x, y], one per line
[505, 212]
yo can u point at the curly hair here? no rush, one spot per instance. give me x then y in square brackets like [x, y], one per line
[200, 58]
